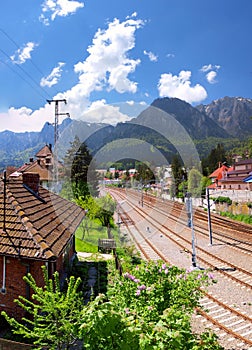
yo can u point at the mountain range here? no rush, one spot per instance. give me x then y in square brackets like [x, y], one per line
[226, 119]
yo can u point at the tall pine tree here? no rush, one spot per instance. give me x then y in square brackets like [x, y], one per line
[81, 170]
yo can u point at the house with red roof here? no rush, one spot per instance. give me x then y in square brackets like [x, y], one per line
[234, 178]
[237, 177]
[217, 176]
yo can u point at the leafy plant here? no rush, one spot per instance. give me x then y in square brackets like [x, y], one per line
[147, 308]
[55, 315]
[222, 199]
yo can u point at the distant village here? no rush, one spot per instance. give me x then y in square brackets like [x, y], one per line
[234, 181]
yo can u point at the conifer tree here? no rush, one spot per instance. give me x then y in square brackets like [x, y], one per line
[81, 170]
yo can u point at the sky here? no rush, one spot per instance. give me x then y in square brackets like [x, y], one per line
[110, 59]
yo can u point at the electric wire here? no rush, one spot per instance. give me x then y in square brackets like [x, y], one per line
[22, 69]
[18, 47]
[27, 82]
[27, 74]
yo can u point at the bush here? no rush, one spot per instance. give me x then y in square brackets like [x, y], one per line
[148, 308]
[222, 199]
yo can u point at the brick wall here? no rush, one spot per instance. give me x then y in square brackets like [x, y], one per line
[14, 283]
[32, 181]
[11, 345]
[16, 269]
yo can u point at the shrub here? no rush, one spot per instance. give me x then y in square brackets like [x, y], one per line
[222, 199]
[148, 308]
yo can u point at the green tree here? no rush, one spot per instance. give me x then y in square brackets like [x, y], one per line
[55, 315]
[101, 208]
[105, 208]
[144, 173]
[195, 182]
[178, 173]
[81, 169]
[216, 156]
[205, 181]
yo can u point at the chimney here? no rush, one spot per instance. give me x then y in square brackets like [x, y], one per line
[31, 160]
[31, 180]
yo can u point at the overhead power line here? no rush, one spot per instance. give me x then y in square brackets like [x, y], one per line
[25, 73]
[45, 93]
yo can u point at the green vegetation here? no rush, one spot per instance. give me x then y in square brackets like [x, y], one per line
[54, 315]
[84, 246]
[148, 307]
[211, 162]
[239, 217]
[88, 241]
[222, 199]
[80, 169]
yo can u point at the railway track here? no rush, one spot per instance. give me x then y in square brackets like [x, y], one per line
[228, 322]
[222, 229]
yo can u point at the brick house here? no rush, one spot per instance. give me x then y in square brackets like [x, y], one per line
[234, 178]
[217, 176]
[44, 165]
[37, 228]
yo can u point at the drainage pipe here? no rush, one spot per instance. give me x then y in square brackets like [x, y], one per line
[3, 290]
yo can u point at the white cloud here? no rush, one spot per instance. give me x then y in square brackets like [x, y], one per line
[210, 76]
[131, 103]
[211, 71]
[21, 55]
[180, 86]
[134, 14]
[24, 119]
[100, 112]
[208, 67]
[61, 8]
[170, 55]
[151, 55]
[53, 77]
[107, 65]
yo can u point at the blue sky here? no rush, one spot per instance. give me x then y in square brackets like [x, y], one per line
[110, 58]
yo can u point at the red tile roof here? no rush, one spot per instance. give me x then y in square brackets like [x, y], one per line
[45, 173]
[37, 227]
[218, 173]
[44, 152]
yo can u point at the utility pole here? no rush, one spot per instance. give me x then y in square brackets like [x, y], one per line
[189, 210]
[56, 133]
[209, 217]
[56, 117]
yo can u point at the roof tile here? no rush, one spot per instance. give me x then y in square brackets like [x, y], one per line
[36, 229]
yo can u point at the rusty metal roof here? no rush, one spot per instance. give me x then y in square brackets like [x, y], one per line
[37, 227]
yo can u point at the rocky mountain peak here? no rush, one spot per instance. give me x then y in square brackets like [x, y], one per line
[232, 113]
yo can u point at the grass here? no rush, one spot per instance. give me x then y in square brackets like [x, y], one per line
[88, 233]
[239, 217]
[82, 246]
